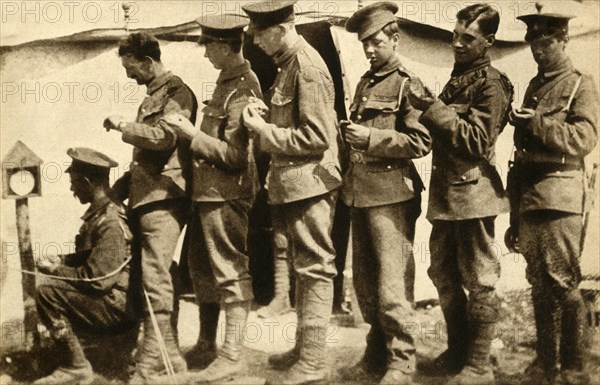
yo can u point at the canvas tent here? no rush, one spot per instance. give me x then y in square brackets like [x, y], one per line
[57, 91]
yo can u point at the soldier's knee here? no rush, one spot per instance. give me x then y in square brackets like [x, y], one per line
[45, 293]
[484, 305]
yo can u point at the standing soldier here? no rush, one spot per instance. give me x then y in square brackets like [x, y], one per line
[554, 130]
[466, 195]
[383, 189]
[304, 175]
[156, 188]
[90, 289]
[224, 184]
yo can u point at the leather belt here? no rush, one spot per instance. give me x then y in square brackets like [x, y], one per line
[540, 157]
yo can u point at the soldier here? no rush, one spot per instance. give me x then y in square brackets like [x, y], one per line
[224, 184]
[466, 195]
[156, 188]
[383, 189]
[554, 130]
[304, 175]
[90, 288]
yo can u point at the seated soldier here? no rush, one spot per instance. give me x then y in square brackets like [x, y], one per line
[88, 289]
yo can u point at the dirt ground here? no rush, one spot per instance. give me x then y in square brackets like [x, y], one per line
[512, 350]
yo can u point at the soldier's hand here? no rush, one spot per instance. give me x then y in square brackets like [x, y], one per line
[252, 118]
[182, 125]
[47, 264]
[112, 122]
[357, 136]
[419, 96]
[520, 116]
[259, 105]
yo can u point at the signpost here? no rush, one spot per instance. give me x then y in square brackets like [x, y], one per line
[21, 179]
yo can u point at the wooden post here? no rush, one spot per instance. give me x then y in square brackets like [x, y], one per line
[28, 280]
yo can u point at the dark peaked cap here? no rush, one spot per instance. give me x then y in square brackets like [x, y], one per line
[226, 27]
[89, 162]
[267, 13]
[371, 19]
[542, 24]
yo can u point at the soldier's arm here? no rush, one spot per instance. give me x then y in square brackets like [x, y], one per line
[578, 134]
[410, 140]
[160, 137]
[315, 100]
[480, 127]
[110, 251]
[232, 152]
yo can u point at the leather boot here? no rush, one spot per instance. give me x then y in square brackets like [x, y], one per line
[451, 361]
[285, 360]
[228, 362]
[205, 350]
[311, 367]
[478, 369]
[77, 370]
[281, 302]
[572, 349]
[150, 366]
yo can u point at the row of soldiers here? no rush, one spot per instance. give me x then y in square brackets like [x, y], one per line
[394, 119]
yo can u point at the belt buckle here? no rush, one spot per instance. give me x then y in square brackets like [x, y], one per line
[357, 157]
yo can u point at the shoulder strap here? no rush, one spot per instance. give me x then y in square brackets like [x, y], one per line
[404, 80]
[575, 89]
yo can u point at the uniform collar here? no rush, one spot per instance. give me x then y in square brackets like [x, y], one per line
[392, 65]
[561, 67]
[95, 207]
[283, 57]
[234, 72]
[475, 65]
[159, 81]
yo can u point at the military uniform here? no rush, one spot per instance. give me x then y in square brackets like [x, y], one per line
[383, 189]
[304, 174]
[90, 289]
[158, 202]
[157, 182]
[101, 247]
[551, 198]
[465, 196]
[224, 184]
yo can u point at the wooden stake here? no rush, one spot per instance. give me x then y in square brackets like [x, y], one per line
[28, 280]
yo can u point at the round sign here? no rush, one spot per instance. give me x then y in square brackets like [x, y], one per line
[22, 182]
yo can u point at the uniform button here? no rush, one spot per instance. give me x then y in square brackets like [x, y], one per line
[242, 78]
[278, 69]
[434, 168]
[135, 163]
[463, 178]
[372, 81]
[291, 163]
[389, 167]
[364, 98]
[359, 117]
[212, 166]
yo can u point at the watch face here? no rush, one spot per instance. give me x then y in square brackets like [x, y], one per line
[22, 182]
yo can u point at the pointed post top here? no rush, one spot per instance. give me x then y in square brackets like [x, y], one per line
[21, 156]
